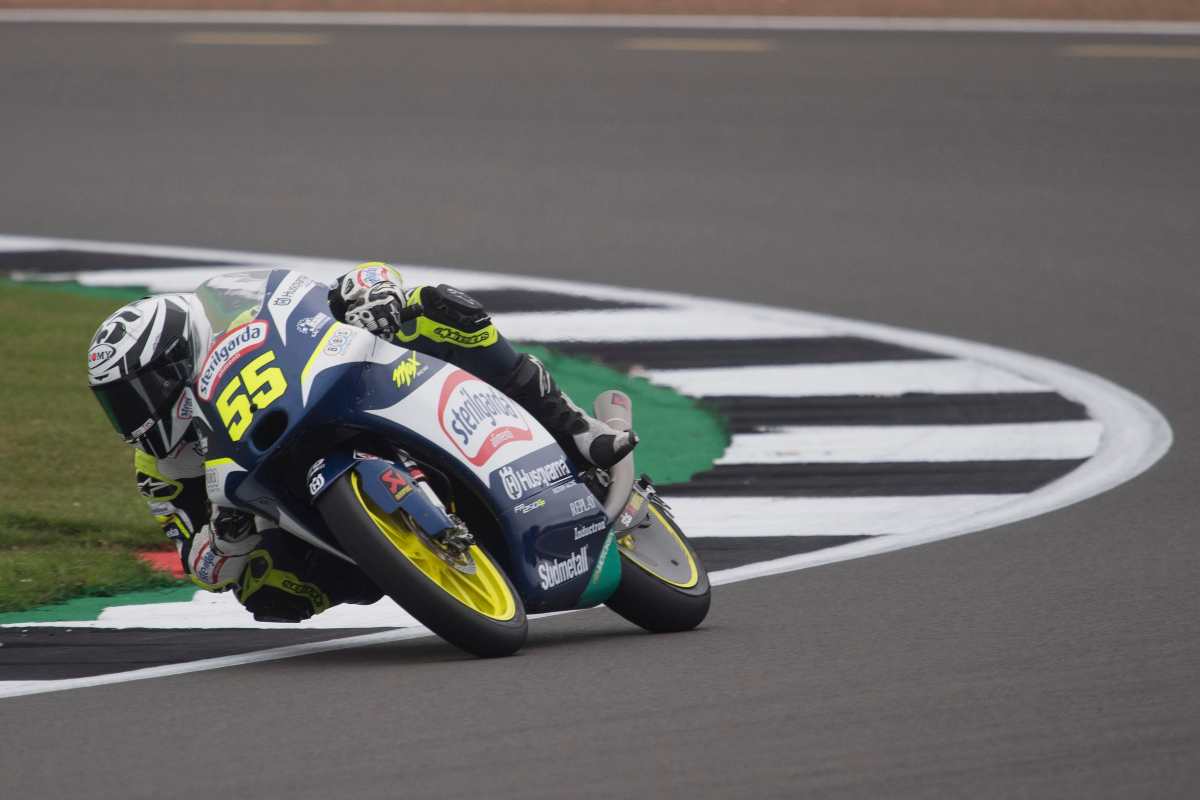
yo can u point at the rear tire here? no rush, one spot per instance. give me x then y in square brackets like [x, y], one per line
[650, 602]
[360, 530]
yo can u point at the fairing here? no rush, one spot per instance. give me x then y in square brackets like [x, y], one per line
[307, 379]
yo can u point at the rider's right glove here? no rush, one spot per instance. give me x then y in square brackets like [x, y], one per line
[373, 299]
[220, 549]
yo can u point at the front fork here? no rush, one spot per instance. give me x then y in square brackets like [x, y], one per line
[392, 487]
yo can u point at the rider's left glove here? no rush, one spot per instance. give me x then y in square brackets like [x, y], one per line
[220, 550]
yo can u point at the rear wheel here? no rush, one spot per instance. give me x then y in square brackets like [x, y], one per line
[463, 597]
[664, 587]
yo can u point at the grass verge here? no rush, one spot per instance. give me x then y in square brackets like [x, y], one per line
[70, 519]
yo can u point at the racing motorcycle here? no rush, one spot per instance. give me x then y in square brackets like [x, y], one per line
[446, 493]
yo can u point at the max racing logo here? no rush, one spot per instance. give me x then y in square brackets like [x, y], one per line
[229, 349]
[478, 418]
[408, 370]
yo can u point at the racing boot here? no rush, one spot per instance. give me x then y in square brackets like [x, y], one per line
[531, 385]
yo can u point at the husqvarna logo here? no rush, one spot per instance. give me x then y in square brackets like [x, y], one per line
[478, 418]
[518, 482]
[224, 353]
[512, 487]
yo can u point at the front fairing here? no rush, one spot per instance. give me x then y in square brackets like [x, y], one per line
[284, 383]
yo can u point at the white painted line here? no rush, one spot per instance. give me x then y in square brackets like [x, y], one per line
[703, 517]
[1138, 51]
[20, 688]
[833, 444]
[679, 44]
[648, 324]
[613, 21]
[1135, 437]
[881, 378]
[208, 610]
[245, 39]
[14, 244]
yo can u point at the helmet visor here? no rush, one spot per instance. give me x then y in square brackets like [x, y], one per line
[137, 404]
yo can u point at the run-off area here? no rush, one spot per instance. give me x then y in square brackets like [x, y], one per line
[844, 438]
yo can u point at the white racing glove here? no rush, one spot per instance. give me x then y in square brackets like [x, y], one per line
[221, 549]
[373, 298]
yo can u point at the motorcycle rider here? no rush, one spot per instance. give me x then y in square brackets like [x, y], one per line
[144, 356]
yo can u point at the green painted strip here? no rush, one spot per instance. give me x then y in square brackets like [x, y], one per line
[85, 609]
[75, 287]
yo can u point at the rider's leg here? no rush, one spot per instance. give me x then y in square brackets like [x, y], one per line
[287, 580]
[471, 341]
[531, 385]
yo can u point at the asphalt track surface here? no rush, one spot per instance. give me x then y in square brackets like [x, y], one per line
[987, 187]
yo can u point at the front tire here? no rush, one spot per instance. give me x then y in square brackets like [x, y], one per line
[470, 603]
[654, 592]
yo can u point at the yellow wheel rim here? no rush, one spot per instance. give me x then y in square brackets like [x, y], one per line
[475, 582]
[693, 571]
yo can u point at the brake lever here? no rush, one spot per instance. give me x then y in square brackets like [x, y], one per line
[409, 313]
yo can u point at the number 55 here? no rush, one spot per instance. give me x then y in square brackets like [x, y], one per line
[263, 385]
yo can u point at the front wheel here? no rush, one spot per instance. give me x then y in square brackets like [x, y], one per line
[664, 587]
[466, 599]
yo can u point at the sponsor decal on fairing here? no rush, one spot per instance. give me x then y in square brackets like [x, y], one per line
[583, 531]
[479, 419]
[518, 482]
[337, 343]
[583, 505]
[408, 370]
[316, 481]
[525, 508]
[554, 572]
[295, 285]
[312, 326]
[395, 482]
[231, 347]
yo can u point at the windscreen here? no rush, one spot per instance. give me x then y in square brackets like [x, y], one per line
[232, 298]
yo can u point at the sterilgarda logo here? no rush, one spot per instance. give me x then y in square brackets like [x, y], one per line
[518, 482]
[553, 572]
[226, 352]
[478, 418]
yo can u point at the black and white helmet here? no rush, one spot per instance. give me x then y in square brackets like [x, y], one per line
[139, 365]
